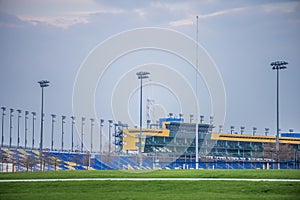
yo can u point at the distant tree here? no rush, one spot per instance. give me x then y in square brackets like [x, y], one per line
[86, 160]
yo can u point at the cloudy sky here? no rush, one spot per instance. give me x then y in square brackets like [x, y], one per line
[50, 39]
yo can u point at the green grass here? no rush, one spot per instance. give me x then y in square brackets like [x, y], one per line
[86, 190]
[290, 174]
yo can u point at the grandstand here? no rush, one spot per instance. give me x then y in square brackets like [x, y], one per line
[170, 146]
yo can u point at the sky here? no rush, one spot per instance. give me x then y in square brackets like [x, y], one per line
[52, 39]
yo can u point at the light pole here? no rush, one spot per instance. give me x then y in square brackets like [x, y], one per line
[43, 84]
[33, 119]
[220, 128]
[201, 119]
[101, 127]
[109, 135]
[141, 75]
[242, 130]
[254, 130]
[92, 125]
[62, 132]
[52, 131]
[231, 129]
[266, 131]
[19, 116]
[278, 65]
[26, 127]
[191, 118]
[10, 126]
[3, 115]
[72, 132]
[82, 124]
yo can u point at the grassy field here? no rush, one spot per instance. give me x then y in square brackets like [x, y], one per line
[152, 190]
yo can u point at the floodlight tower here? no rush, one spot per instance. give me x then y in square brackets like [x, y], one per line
[19, 116]
[82, 124]
[33, 119]
[141, 75]
[231, 129]
[43, 84]
[191, 118]
[278, 65]
[109, 135]
[10, 126]
[201, 119]
[266, 131]
[92, 125]
[254, 130]
[72, 133]
[101, 129]
[26, 127]
[62, 131]
[220, 128]
[180, 116]
[52, 131]
[242, 130]
[3, 115]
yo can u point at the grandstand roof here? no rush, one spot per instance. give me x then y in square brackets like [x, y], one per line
[254, 138]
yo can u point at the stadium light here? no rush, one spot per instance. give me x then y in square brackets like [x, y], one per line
[19, 116]
[109, 135]
[242, 129]
[201, 119]
[52, 131]
[92, 125]
[26, 127]
[33, 119]
[3, 115]
[141, 75]
[220, 128]
[62, 131]
[254, 130]
[211, 120]
[101, 129]
[231, 129]
[82, 124]
[278, 65]
[43, 84]
[72, 133]
[180, 116]
[266, 131]
[148, 123]
[10, 126]
[191, 118]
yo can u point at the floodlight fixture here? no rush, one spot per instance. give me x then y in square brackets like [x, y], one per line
[43, 84]
[278, 65]
[101, 134]
[3, 115]
[266, 131]
[92, 125]
[52, 131]
[141, 75]
[254, 129]
[62, 131]
[26, 128]
[10, 125]
[33, 120]
[19, 116]
[109, 135]
[72, 133]
[82, 124]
